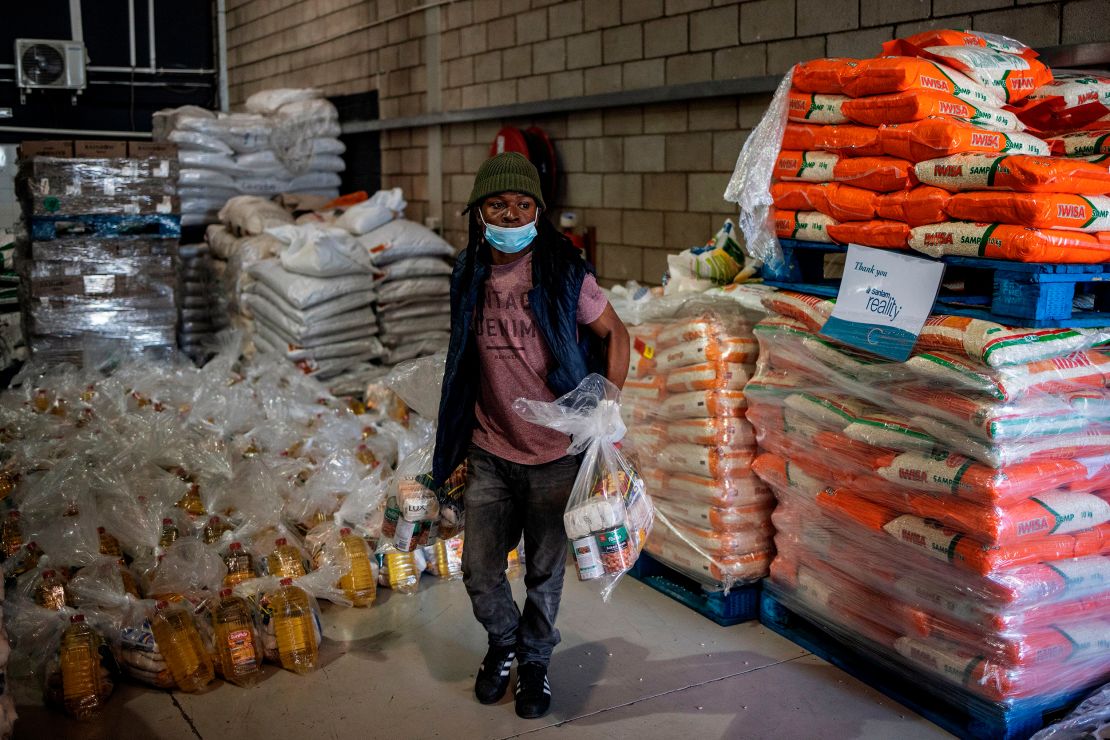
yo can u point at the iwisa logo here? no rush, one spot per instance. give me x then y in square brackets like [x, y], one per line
[796, 104]
[933, 83]
[955, 109]
[1071, 210]
[948, 170]
[790, 164]
[1087, 97]
[938, 239]
[987, 141]
[1022, 83]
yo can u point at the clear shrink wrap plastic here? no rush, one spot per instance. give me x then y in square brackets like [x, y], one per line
[683, 404]
[949, 515]
[609, 513]
[166, 483]
[926, 147]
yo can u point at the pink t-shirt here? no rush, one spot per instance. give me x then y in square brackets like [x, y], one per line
[514, 362]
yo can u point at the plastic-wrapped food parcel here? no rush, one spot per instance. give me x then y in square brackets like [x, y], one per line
[169, 524]
[949, 514]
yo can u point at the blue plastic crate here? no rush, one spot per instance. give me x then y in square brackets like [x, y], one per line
[961, 713]
[741, 604]
[161, 226]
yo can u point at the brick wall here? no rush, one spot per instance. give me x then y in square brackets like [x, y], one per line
[648, 178]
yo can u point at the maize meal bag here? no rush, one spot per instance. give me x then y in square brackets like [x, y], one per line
[739, 490]
[668, 547]
[846, 140]
[1065, 374]
[917, 105]
[727, 432]
[718, 519]
[878, 233]
[838, 202]
[882, 174]
[650, 389]
[809, 226]
[988, 418]
[998, 346]
[961, 172]
[1089, 213]
[703, 404]
[815, 108]
[1092, 442]
[710, 462]
[729, 349]
[1008, 242]
[931, 138]
[812, 311]
[1081, 143]
[1061, 644]
[992, 41]
[917, 206]
[697, 327]
[708, 376]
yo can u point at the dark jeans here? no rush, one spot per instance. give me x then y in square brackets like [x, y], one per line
[504, 499]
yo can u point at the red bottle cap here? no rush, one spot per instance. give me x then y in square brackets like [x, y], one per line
[214, 520]
[286, 581]
[281, 542]
[77, 618]
[161, 605]
[235, 547]
[14, 514]
[48, 574]
[344, 532]
[166, 521]
[225, 592]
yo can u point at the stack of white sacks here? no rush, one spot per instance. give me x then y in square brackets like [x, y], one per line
[285, 142]
[201, 305]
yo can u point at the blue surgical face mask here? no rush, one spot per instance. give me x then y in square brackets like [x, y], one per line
[510, 240]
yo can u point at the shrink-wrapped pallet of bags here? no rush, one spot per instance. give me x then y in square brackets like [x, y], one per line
[683, 406]
[948, 515]
[285, 142]
[886, 151]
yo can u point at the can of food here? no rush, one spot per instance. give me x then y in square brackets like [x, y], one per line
[587, 558]
[615, 548]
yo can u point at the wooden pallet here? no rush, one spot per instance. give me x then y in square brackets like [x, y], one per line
[959, 712]
[1028, 294]
[159, 226]
[741, 604]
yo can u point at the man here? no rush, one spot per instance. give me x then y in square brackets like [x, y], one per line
[528, 320]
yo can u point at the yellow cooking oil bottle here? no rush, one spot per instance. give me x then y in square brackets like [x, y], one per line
[80, 664]
[285, 561]
[182, 647]
[294, 627]
[358, 583]
[237, 644]
[240, 565]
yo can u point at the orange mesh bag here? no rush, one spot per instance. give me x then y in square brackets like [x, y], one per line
[938, 137]
[1024, 174]
[915, 105]
[846, 140]
[1007, 242]
[838, 202]
[880, 234]
[815, 108]
[809, 226]
[881, 174]
[1090, 213]
[1010, 76]
[992, 41]
[917, 206]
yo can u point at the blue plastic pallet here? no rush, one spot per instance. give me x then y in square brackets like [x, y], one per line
[162, 226]
[968, 717]
[740, 605]
[1031, 294]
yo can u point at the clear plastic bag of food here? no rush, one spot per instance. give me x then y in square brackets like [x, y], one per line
[609, 514]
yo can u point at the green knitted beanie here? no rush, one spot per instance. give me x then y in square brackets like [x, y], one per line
[508, 172]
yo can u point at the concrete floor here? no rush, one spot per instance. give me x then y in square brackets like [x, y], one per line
[642, 666]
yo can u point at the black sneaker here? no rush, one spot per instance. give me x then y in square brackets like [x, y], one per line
[493, 674]
[533, 692]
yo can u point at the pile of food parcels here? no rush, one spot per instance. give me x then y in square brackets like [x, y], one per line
[171, 524]
[949, 515]
[333, 284]
[948, 143]
[285, 142]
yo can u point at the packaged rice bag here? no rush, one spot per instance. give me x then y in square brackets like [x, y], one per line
[961, 172]
[609, 514]
[809, 226]
[1008, 242]
[882, 174]
[838, 202]
[845, 140]
[918, 206]
[1089, 213]
[938, 136]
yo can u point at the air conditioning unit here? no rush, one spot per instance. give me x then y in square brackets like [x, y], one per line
[49, 64]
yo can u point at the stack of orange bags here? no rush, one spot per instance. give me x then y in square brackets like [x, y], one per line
[927, 147]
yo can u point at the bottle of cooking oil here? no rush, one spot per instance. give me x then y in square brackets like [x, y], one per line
[11, 535]
[358, 582]
[403, 575]
[128, 579]
[285, 561]
[191, 502]
[182, 647]
[366, 456]
[294, 627]
[169, 533]
[448, 554]
[236, 642]
[29, 558]
[240, 565]
[50, 593]
[109, 545]
[80, 664]
[215, 529]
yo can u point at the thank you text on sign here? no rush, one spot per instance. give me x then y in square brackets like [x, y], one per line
[884, 300]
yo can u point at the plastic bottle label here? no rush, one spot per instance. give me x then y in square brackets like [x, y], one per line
[403, 539]
[240, 645]
[587, 557]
